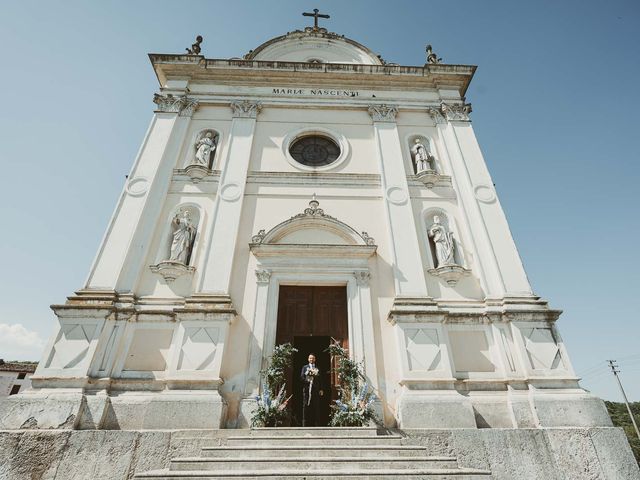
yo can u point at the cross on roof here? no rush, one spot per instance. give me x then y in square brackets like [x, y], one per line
[315, 16]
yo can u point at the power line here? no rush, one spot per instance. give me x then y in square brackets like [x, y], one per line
[614, 369]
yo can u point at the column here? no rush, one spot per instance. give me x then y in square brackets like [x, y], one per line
[122, 252]
[218, 262]
[407, 264]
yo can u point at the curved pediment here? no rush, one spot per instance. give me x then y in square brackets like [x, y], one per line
[314, 45]
[313, 227]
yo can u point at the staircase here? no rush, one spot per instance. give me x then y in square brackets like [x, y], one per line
[315, 454]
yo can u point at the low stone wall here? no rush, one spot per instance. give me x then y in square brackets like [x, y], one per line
[540, 454]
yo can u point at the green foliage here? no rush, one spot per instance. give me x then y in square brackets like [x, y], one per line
[620, 418]
[354, 407]
[272, 404]
[274, 374]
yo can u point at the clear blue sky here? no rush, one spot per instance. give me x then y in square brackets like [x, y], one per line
[555, 111]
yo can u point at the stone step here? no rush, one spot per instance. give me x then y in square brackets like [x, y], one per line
[382, 474]
[314, 431]
[256, 452]
[333, 440]
[312, 463]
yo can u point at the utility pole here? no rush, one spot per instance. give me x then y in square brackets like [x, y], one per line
[614, 369]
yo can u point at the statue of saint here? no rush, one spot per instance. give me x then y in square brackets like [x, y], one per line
[204, 149]
[444, 243]
[421, 156]
[183, 235]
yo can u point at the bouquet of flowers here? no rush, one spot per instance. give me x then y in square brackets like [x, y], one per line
[311, 373]
[271, 411]
[355, 411]
[354, 407]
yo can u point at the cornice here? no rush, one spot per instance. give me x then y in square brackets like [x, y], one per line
[303, 74]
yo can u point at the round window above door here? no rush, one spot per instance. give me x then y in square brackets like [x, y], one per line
[314, 150]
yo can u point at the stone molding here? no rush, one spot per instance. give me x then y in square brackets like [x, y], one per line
[182, 105]
[245, 109]
[383, 113]
[171, 270]
[450, 273]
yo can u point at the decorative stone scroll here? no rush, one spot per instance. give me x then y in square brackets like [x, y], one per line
[245, 109]
[383, 113]
[181, 105]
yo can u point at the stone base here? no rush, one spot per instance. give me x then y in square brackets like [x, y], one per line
[125, 411]
[570, 410]
[549, 454]
[435, 410]
[529, 409]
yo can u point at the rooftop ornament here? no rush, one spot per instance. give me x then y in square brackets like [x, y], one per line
[432, 58]
[315, 16]
[195, 48]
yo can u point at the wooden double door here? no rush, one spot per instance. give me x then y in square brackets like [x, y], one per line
[310, 318]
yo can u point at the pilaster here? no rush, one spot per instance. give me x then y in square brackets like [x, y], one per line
[228, 207]
[407, 264]
[122, 253]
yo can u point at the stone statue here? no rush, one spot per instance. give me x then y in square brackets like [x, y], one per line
[195, 48]
[444, 243]
[183, 235]
[421, 156]
[432, 57]
[204, 149]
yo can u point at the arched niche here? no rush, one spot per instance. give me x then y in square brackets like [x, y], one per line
[169, 265]
[450, 225]
[431, 165]
[204, 148]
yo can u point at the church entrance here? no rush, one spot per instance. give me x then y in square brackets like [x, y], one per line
[310, 318]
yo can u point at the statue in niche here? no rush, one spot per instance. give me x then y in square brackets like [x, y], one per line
[205, 147]
[444, 243]
[183, 236]
[421, 157]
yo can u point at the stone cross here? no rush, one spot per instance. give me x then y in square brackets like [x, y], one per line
[315, 16]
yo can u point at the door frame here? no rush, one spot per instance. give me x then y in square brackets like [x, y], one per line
[359, 314]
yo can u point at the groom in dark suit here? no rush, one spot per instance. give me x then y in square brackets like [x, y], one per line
[311, 392]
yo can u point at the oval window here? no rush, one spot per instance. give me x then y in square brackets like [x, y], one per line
[314, 150]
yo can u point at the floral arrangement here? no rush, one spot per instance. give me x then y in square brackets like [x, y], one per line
[272, 407]
[354, 407]
[271, 411]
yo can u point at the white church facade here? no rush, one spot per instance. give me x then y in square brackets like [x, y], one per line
[306, 193]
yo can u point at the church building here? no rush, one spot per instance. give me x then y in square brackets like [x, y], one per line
[309, 192]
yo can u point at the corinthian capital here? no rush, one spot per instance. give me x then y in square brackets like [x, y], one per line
[437, 115]
[263, 276]
[245, 109]
[383, 113]
[181, 105]
[457, 112]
